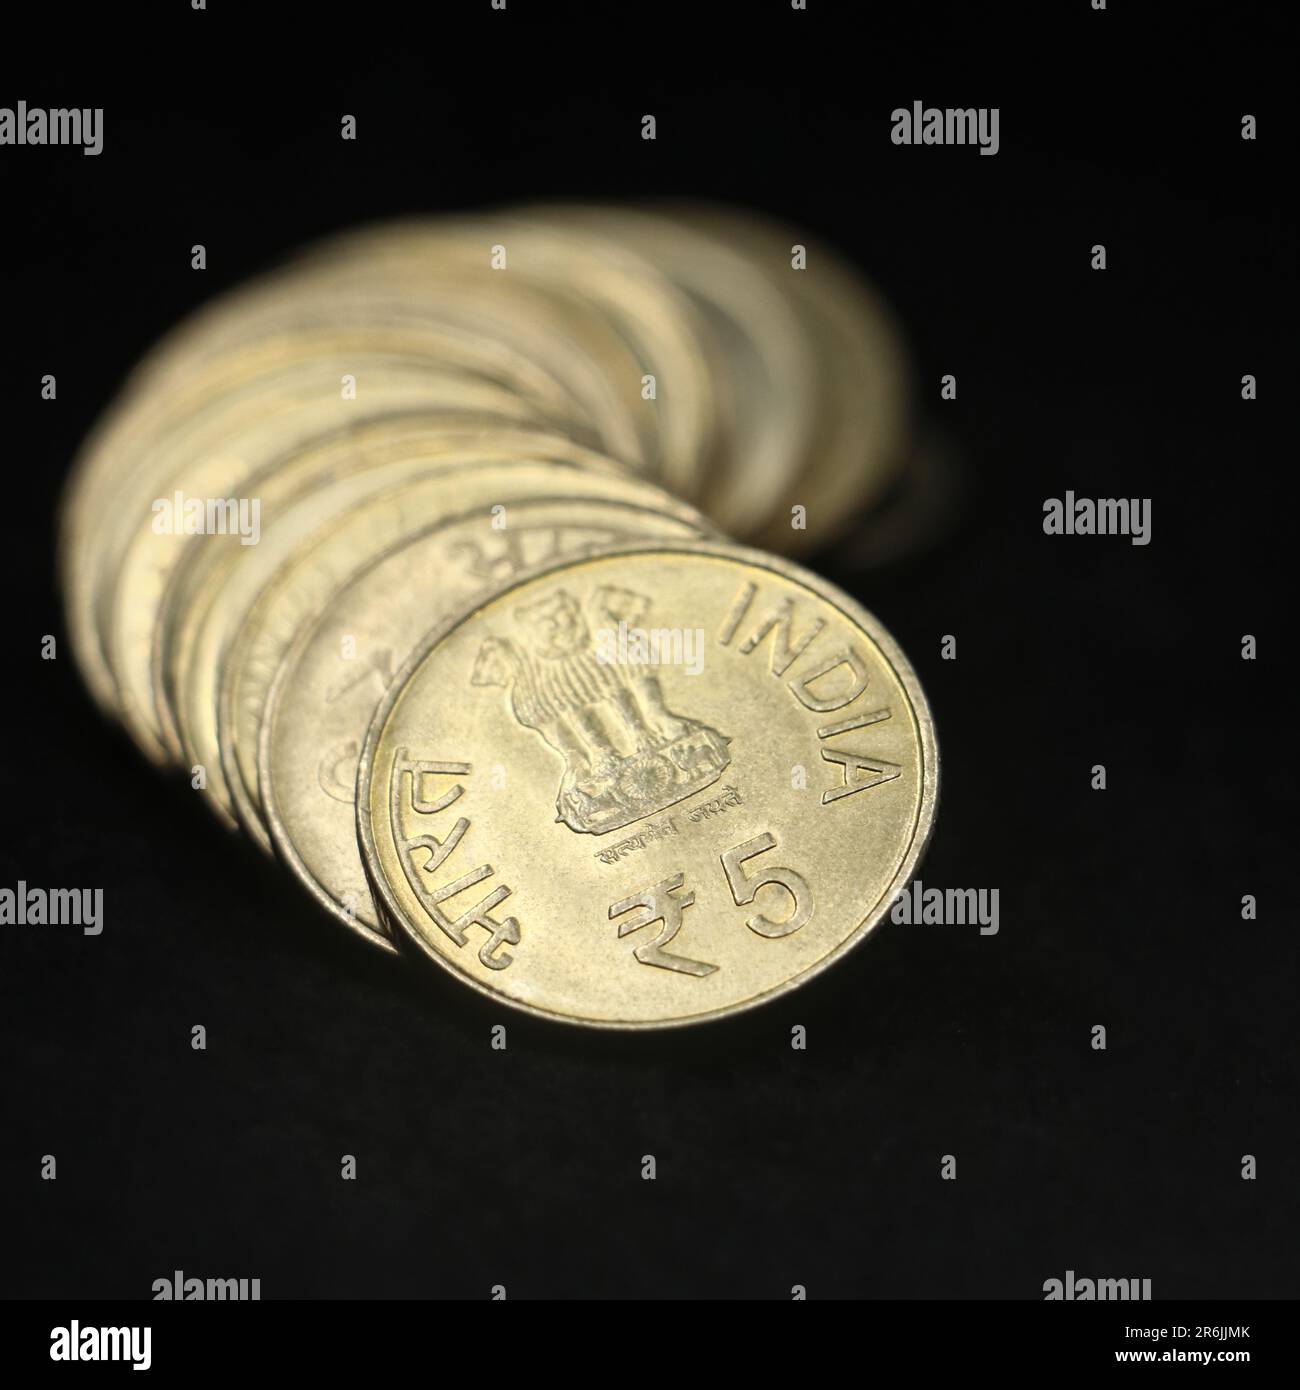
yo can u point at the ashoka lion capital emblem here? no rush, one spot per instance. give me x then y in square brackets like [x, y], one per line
[626, 755]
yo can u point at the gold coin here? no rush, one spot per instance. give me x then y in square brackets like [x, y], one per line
[302, 497]
[483, 490]
[124, 448]
[209, 463]
[355, 449]
[648, 788]
[862, 373]
[641, 328]
[571, 365]
[762, 360]
[327, 685]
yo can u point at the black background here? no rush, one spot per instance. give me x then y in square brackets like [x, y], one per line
[1120, 907]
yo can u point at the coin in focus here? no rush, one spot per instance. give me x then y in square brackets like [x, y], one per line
[651, 787]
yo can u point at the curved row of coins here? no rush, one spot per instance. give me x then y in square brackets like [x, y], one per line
[420, 557]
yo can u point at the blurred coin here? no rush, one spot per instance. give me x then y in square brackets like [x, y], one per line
[863, 378]
[209, 464]
[644, 331]
[762, 360]
[125, 448]
[562, 354]
[395, 438]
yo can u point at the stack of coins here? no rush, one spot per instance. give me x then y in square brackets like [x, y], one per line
[421, 558]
